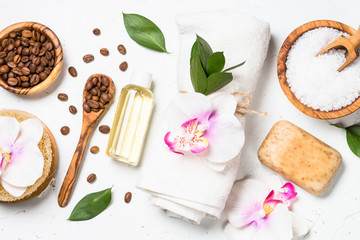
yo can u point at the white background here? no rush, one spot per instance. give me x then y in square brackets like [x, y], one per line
[335, 215]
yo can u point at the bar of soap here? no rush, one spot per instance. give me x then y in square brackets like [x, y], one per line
[299, 157]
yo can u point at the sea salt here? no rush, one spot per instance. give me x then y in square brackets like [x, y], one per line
[315, 81]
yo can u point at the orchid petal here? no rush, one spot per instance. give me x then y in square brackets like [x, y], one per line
[245, 202]
[288, 194]
[244, 233]
[13, 190]
[300, 226]
[9, 129]
[223, 103]
[31, 132]
[25, 170]
[276, 225]
[187, 106]
[227, 136]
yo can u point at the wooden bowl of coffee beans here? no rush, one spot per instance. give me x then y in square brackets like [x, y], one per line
[31, 58]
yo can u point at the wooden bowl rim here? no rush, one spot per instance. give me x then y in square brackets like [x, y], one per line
[58, 57]
[281, 70]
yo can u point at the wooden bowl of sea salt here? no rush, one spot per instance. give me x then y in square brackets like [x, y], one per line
[312, 83]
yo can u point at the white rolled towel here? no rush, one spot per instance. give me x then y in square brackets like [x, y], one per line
[190, 189]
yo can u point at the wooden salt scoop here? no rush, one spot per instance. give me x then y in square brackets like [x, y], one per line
[89, 121]
[351, 45]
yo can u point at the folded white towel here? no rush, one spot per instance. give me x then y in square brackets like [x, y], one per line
[190, 189]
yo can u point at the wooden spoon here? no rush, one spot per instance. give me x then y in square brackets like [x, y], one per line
[89, 121]
[351, 45]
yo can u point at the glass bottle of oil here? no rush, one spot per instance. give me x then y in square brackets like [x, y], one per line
[132, 118]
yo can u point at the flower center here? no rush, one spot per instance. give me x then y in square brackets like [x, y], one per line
[5, 155]
[189, 138]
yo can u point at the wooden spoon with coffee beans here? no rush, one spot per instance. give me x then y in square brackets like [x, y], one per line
[98, 92]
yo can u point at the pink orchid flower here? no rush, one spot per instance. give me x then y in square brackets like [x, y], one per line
[21, 161]
[204, 126]
[254, 213]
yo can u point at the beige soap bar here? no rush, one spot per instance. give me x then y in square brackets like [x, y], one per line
[299, 157]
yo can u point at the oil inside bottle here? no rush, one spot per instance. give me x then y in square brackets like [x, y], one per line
[131, 122]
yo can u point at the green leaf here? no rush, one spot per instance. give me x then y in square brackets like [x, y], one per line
[216, 81]
[233, 67]
[215, 63]
[204, 51]
[197, 74]
[91, 205]
[144, 32]
[353, 139]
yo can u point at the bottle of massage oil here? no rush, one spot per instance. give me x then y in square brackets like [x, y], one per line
[131, 121]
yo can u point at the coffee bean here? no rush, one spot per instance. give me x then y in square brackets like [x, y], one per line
[104, 129]
[105, 97]
[86, 108]
[10, 47]
[91, 178]
[25, 71]
[12, 81]
[92, 103]
[127, 197]
[4, 69]
[94, 80]
[105, 81]
[88, 58]
[72, 109]
[123, 66]
[32, 68]
[94, 149]
[42, 38]
[121, 49]
[12, 64]
[17, 59]
[13, 35]
[63, 97]
[65, 130]
[35, 79]
[25, 84]
[25, 51]
[72, 71]
[24, 78]
[104, 51]
[43, 76]
[26, 33]
[96, 32]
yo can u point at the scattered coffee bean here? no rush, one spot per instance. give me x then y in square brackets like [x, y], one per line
[72, 71]
[23, 54]
[72, 109]
[123, 66]
[121, 49]
[94, 149]
[96, 31]
[97, 94]
[88, 58]
[91, 178]
[127, 197]
[104, 129]
[65, 130]
[63, 97]
[104, 52]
